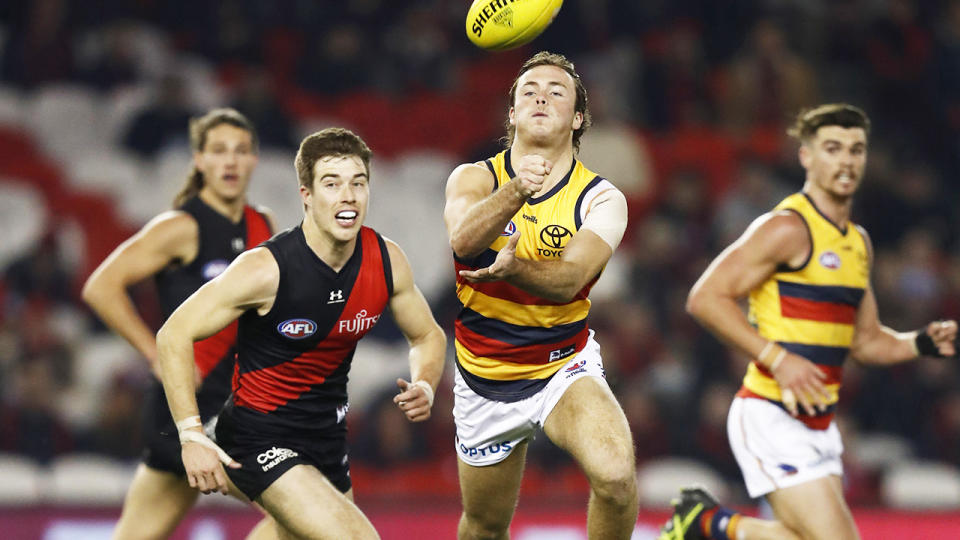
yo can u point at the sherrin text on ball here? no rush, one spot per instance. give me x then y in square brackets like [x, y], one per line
[498, 25]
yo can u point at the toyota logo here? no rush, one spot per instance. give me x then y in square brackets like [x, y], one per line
[554, 236]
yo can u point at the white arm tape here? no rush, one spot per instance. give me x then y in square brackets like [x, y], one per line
[606, 216]
[188, 422]
[203, 440]
[427, 389]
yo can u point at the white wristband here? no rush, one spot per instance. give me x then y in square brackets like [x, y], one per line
[203, 440]
[427, 389]
[188, 422]
[776, 361]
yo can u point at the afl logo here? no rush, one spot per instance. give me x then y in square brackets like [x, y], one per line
[554, 236]
[509, 229]
[213, 269]
[830, 260]
[297, 328]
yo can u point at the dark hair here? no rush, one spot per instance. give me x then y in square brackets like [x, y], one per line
[198, 128]
[544, 58]
[831, 114]
[328, 142]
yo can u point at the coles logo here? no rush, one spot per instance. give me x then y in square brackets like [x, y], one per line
[297, 328]
[830, 260]
[509, 229]
[213, 269]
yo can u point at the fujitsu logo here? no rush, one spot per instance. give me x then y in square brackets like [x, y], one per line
[360, 323]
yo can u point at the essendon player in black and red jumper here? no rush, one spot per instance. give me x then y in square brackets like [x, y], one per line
[290, 388]
[183, 249]
[220, 240]
[303, 299]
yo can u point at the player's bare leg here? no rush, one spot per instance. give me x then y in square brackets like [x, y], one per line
[155, 503]
[489, 496]
[588, 423]
[305, 505]
[266, 528]
[815, 510]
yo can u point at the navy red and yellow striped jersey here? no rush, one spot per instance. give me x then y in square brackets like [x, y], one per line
[811, 311]
[510, 342]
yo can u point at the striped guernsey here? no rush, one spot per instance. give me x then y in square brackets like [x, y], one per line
[811, 311]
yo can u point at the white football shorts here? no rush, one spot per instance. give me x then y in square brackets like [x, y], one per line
[488, 430]
[775, 450]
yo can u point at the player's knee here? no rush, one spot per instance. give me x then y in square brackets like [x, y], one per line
[483, 526]
[616, 483]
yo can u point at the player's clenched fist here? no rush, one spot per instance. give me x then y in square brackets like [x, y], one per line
[531, 173]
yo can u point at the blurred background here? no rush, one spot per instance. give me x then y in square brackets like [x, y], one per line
[690, 100]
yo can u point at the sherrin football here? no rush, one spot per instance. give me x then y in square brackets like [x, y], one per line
[498, 25]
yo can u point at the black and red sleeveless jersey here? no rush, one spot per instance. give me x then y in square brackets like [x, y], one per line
[219, 241]
[292, 362]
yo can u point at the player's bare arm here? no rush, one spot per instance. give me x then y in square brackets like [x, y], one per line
[771, 240]
[168, 238]
[876, 344]
[582, 260]
[250, 282]
[474, 216]
[427, 341]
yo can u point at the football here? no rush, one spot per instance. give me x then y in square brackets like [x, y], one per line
[498, 25]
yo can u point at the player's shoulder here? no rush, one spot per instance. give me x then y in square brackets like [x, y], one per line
[258, 263]
[172, 223]
[478, 169]
[781, 230]
[470, 177]
[393, 249]
[782, 221]
[267, 214]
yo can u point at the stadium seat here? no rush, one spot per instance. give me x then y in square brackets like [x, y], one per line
[64, 120]
[274, 185]
[11, 107]
[660, 480]
[878, 451]
[88, 480]
[119, 109]
[23, 218]
[107, 171]
[99, 358]
[22, 480]
[200, 84]
[155, 191]
[406, 194]
[922, 485]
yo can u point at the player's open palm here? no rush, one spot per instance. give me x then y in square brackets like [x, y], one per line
[503, 266]
[531, 173]
[801, 382]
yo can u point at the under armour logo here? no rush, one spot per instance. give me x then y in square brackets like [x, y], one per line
[237, 244]
[342, 413]
[336, 296]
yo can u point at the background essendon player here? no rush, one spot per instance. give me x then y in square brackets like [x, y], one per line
[304, 299]
[183, 248]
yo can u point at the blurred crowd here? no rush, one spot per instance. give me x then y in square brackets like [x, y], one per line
[690, 101]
